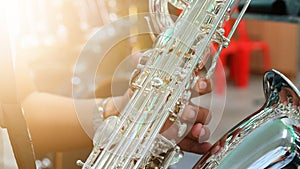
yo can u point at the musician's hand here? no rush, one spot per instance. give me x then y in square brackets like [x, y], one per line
[196, 118]
[194, 141]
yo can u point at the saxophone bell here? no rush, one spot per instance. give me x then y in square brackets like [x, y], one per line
[268, 138]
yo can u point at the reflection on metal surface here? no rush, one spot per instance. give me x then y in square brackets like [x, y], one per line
[269, 138]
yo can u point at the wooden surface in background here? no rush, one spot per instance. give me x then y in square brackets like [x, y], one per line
[283, 42]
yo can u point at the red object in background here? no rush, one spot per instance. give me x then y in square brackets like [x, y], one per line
[239, 51]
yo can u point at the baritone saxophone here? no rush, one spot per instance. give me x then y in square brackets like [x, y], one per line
[161, 86]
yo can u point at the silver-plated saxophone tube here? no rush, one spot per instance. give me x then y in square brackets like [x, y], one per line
[269, 138]
[161, 84]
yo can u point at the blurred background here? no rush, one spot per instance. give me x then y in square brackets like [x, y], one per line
[48, 36]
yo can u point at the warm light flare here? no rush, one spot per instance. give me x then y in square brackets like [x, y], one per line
[12, 16]
[35, 22]
[51, 22]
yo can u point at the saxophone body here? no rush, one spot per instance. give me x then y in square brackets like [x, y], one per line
[161, 84]
[268, 138]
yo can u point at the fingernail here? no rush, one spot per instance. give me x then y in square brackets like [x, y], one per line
[215, 149]
[202, 85]
[201, 137]
[196, 130]
[202, 132]
[191, 114]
